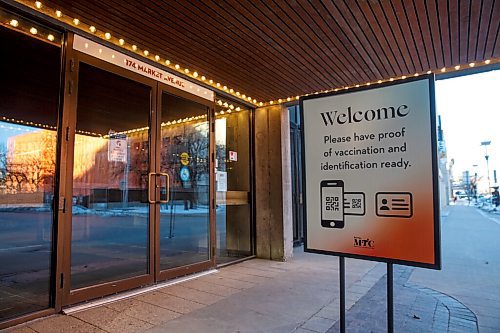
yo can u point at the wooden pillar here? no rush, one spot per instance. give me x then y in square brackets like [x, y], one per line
[273, 190]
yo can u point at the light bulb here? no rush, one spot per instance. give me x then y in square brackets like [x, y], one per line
[472, 64]
[457, 67]
[443, 69]
[157, 57]
[146, 53]
[121, 41]
[14, 23]
[403, 77]
[92, 29]
[487, 61]
[58, 13]
[38, 4]
[134, 47]
[50, 37]
[429, 72]
[76, 21]
[195, 74]
[107, 35]
[379, 81]
[177, 66]
[186, 71]
[167, 62]
[203, 78]
[33, 31]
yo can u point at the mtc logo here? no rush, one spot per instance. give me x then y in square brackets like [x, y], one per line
[364, 242]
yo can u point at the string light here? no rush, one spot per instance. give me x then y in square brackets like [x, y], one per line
[93, 29]
[14, 23]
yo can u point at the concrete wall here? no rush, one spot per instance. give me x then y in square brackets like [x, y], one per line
[273, 197]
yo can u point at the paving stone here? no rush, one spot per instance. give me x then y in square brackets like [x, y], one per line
[191, 294]
[170, 302]
[144, 311]
[63, 324]
[111, 320]
[318, 324]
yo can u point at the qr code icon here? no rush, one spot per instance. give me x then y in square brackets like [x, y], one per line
[332, 203]
[356, 203]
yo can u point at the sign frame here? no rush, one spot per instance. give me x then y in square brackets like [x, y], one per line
[435, 175]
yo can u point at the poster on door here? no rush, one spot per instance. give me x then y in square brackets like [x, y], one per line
[371, 175]
[117, 148]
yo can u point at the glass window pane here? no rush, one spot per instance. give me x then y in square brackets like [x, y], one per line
[29, 93]
[233, 209]
[185, 219]
[110, 224]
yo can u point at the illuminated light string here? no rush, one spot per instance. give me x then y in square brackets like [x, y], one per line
[57, 14]
[37, 5]
[135, 130]
[392, 79]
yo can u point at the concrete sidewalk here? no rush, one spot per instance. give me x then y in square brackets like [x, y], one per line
[252, 296]
[302, 295]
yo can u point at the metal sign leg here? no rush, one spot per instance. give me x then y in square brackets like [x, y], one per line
[342, 294]
[390, 298]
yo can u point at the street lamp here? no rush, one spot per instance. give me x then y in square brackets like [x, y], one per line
[487, 157]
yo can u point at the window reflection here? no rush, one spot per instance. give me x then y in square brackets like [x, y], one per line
[233, 210]
[184, 221]
[29, 96]
[110, 221]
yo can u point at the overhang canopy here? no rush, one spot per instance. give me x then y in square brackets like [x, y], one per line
[271, 49]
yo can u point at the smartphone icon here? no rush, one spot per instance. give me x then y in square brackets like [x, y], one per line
[332, 203]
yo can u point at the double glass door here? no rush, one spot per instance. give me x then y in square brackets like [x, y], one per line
[141, 184]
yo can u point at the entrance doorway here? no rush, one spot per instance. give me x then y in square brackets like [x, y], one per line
[140, 183]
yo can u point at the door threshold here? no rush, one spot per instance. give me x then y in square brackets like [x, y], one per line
[132, 293]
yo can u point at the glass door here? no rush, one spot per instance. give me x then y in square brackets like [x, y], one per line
[184, 228]
[110, 248]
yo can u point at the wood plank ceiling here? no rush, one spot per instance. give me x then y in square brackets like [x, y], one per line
[271, 49]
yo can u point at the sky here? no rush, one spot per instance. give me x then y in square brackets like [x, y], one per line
[470, 113]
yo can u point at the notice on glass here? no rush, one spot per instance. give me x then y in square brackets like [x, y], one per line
[370, 169]
[117, 148]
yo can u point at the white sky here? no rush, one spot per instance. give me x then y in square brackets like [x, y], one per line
[470, 113]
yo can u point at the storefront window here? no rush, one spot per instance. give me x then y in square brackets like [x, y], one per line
[233, 187]
[29, 100]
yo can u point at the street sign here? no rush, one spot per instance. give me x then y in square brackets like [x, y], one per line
[370, 173]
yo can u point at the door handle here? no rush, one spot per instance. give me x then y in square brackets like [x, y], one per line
[167, 186]
[152, 186]
[150, 176]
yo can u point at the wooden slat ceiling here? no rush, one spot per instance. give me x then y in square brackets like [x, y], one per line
[271, 49]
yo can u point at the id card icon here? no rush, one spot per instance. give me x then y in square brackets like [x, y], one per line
[394, 204]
